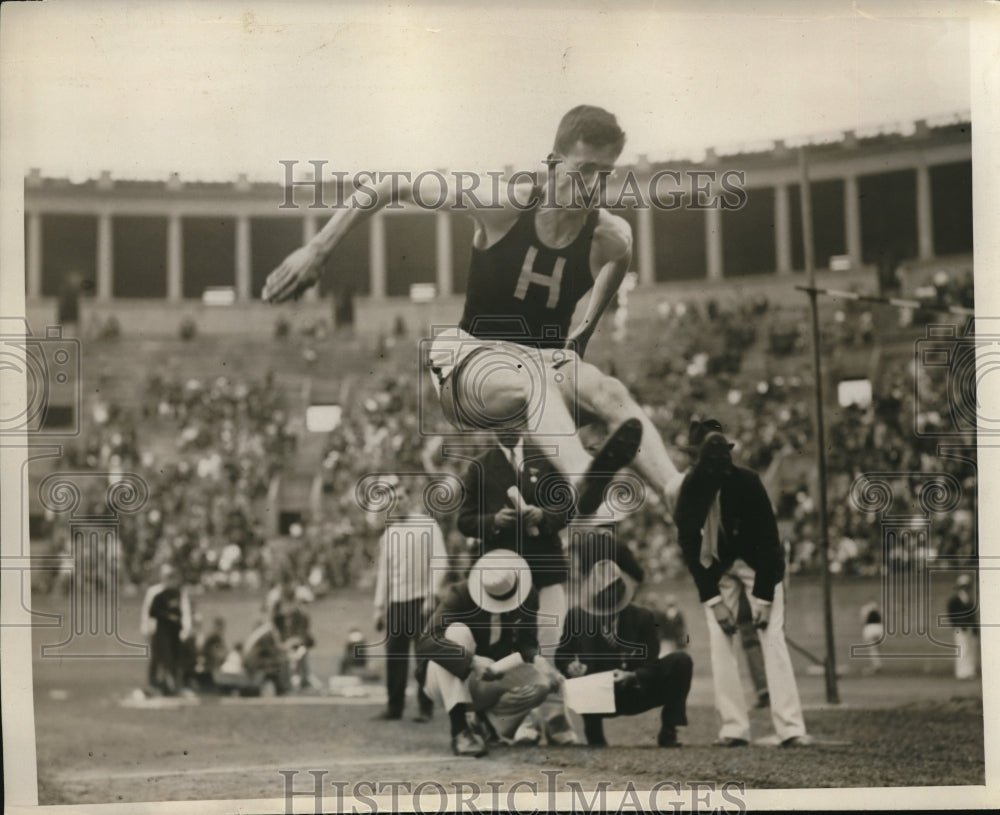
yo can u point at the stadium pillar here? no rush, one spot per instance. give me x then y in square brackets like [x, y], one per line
[713, 242]
[443, 252]
[852, 221]
[925, 217]
[376, 248]
[175, 258]
[782, 230]
[34, 252]
[805, 199]
[647, 254]
[105, 272]
[243, 292]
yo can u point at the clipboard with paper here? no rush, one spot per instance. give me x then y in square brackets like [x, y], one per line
[591, 693]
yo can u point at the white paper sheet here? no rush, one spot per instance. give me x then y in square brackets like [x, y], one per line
[593, 693]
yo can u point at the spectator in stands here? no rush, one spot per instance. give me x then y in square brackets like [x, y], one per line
[166, 620]
[963, 616]
[266, 661]
[872, 633]
[671, 626]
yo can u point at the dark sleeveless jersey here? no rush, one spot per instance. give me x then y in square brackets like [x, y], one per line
[523, 291]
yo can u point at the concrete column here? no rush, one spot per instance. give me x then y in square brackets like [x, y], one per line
[443, 245]
[925, 214]
[376, 251]
[309, 230]
[243, 277]
[713, 243]
[175, 258]
[34, 252]
[782, 230]
[646, 246]
[852, 220]
[105, 261]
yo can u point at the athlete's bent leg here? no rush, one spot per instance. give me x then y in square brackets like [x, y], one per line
[608, 399]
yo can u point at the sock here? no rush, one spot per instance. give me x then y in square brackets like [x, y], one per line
[457, 717]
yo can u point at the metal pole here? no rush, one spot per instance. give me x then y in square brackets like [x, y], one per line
[805, 199]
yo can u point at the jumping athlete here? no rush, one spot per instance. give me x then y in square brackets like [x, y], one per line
[513, 362]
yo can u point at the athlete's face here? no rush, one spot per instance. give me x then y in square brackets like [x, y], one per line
[579, 171]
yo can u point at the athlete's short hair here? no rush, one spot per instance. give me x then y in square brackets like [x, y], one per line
[592, 125]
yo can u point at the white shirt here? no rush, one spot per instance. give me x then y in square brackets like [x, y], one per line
[412, 561]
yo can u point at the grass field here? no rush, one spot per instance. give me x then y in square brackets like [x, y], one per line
[910, 725]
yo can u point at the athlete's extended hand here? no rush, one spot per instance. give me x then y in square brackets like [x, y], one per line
[297, 272]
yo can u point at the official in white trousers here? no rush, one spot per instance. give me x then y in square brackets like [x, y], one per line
[729, 538]
[730, 702]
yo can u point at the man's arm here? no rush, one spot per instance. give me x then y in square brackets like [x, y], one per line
[302, 268]
[476, 518]
[433, 643]
[611, 254]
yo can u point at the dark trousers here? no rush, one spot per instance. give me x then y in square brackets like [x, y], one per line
[404, 622]
[165, 659]
[664, 684]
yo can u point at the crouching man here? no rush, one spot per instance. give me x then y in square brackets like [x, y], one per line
[482, 646]
[608, 633]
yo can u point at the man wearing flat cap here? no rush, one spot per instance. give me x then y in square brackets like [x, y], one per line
[482, 646]
[607, 632]
[729, 538]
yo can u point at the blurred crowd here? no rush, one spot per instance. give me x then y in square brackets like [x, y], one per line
[210, 449]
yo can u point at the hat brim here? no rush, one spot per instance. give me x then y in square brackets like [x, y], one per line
[499, 559]
[590, 591]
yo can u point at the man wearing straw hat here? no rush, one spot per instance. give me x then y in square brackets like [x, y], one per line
[729, 538]
[607, 632]
[482, 646]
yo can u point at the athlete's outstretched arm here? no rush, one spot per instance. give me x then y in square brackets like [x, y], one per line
[303, 267]
[616, 243]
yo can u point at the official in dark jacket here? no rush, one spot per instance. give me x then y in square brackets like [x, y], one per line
[511, 495]
[609, 633]
[729, 538]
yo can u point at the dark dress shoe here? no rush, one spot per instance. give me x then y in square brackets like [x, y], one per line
[668, 738]
[388, 716]
[731, 742]
[468, 743]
